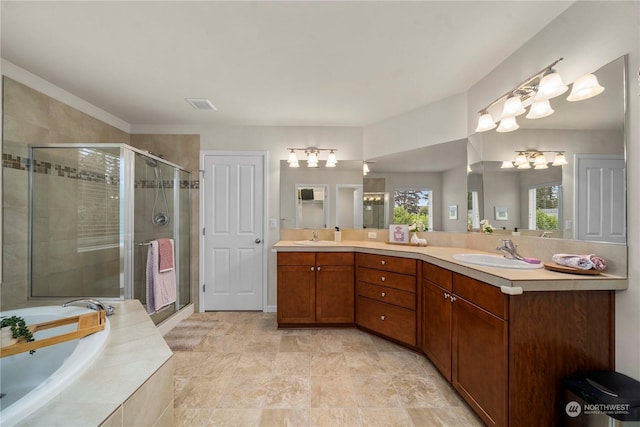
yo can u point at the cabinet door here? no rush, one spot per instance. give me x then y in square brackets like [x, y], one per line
[296, 294]
[335, 294]
[436, 327]
[480, 360]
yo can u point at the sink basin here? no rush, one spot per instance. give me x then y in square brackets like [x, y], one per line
[497, 261]
[314, 243]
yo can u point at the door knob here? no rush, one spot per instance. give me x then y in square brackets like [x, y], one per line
[258, 240]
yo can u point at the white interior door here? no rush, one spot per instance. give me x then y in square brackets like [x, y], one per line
[233, 187]
[601, 198]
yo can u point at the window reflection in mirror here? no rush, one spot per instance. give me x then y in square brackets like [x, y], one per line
[310, 206]
[411, 206]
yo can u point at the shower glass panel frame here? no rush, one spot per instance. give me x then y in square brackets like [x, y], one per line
[60, 265]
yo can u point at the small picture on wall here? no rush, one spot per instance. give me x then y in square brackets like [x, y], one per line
[399, 233]
[453, 212]
[501, 214]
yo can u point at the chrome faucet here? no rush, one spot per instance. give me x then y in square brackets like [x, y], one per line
[509, 249]
[545, 234]
[93, 304]
[315, 235]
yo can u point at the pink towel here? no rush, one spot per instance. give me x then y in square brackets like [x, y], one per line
[161, 286]
[166, 254]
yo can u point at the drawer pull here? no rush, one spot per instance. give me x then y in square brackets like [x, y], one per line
[313, 268]
[452, 298]
[383, 278]
[383, 262]
[319, 268]
[446, 295]
[384, 294]
[382, 317]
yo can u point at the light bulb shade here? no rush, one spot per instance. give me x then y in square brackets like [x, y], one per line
[560, 160]
[524, 165]
[365, 169]
[542, 166]
[540, 159]
[540, 109]
[551, 86]
[508, 124]
[332, 160]
[520, 159]
[507, 164]
[293, 158]
[512, 107]
[312, 161]
[485, 123]
[584, 88]
[294, 164]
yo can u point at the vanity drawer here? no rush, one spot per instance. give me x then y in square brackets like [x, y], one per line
[296, 258]
[388, 263]
[388, 295]
[438, 275]
[390, 320]
[403, 282]
[481, 294]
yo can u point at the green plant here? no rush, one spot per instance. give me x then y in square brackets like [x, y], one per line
[18, 327]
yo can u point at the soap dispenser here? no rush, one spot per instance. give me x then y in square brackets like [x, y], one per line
[337, 236]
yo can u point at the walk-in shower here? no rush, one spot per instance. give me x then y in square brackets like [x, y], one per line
[94, 209]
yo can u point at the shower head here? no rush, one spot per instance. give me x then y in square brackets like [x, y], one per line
[151, 162]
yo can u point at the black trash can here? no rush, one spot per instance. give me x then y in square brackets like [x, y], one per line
[602, 398]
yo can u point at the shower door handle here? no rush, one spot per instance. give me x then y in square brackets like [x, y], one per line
[258, 240]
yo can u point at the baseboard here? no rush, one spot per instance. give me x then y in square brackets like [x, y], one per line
[271, 309]
[172, 321]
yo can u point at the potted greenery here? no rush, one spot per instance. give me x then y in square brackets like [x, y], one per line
[11, 329]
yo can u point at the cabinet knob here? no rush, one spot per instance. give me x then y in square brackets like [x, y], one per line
[382, 317]
[383, 278]
[446, 295]
[452, 298]
[313, 268]
[384, 294]
[319, 268]
[383, 262]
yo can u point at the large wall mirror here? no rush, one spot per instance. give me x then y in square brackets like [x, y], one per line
[584, 199]
[316, 198]
[428, 183]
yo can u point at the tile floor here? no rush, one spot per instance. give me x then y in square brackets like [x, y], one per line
[248, 373]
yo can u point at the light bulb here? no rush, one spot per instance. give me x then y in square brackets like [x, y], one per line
[507, 164]
[312, 161]
[540, 109]
[508, 124]
[584, 88]
[293, 158]
[332, 161]
[512, 107]
[560, 160]
[485, 122]
[551, 86]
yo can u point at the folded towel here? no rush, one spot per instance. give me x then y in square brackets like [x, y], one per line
[598, 263]
[581, 262]
[166, 254]
[161, 286]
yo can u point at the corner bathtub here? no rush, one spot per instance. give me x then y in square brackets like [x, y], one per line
[31, 380]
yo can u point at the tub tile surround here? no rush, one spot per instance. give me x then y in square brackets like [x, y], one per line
[533, 247]
[130, 382]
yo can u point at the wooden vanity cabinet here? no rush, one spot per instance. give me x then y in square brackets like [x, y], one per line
[386, 296]
[315, 288]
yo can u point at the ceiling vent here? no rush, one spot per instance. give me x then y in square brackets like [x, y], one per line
[201, 104]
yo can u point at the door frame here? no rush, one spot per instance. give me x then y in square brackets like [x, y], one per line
[265, 226]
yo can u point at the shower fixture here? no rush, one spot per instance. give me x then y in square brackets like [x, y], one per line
[157, 217]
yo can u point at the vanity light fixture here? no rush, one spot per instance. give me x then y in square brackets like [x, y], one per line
[312, 154]
[535, 93]
[524, 159]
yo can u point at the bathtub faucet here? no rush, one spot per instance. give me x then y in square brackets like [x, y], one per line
[93, 304]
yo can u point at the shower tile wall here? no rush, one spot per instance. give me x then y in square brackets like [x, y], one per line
[30, 117]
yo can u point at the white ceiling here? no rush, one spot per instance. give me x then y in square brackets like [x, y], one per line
[266, 63]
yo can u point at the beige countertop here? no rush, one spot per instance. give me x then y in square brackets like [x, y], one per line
[134, 351]
[511, 281]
